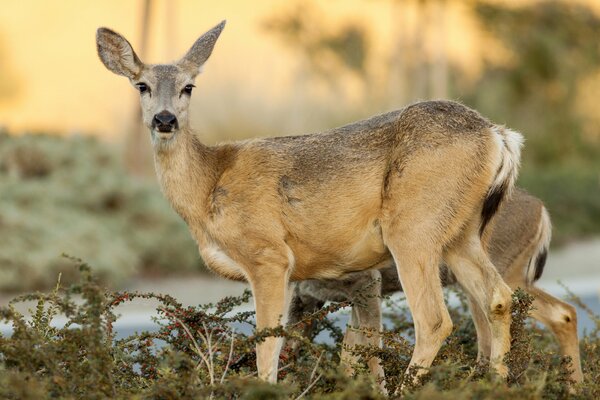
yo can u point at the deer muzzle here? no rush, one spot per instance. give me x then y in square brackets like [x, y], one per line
[165, 122]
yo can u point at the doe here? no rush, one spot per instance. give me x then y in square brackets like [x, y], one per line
[410, 187]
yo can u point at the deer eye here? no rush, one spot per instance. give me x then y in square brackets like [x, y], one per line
[142, 87]
[188, 89]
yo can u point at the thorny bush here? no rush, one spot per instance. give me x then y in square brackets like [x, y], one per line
[208, 352]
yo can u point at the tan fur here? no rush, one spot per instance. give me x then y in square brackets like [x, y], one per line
[409, 186]
[518, 235]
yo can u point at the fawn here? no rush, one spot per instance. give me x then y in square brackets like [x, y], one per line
[409, 187]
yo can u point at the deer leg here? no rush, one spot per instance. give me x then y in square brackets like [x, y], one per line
[301, 305]
[420, 279]
[364, 326]
[351, 339]
[480, 279]
[482, 327]
[271, 298]
[561, 319]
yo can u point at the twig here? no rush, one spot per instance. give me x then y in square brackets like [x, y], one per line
[210, 352]
[309, 387]
[312, 375]
[279, 370]
[197, 347]
[228, 358]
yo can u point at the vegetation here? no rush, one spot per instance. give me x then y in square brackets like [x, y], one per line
[538, 86]
[196, 352]
[72, 195]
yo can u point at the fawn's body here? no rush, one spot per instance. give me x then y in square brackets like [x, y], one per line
[414, 185]
[517, 241]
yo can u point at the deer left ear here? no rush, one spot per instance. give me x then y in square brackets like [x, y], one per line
[202, 49]
[117, 53]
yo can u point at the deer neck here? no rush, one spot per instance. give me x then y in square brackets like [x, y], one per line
[186, 172]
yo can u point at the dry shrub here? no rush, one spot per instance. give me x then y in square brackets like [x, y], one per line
[201, 352]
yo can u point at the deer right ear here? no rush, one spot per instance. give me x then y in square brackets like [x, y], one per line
[117, 54]
[202, 49]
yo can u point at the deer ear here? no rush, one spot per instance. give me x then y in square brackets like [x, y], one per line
[117, 54]
[201, 50]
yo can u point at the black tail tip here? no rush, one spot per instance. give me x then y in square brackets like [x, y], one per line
[540, 262]
[490, 206]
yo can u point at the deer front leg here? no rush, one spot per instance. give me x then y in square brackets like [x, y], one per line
[271, 300]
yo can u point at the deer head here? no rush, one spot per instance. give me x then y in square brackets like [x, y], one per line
[165, 89]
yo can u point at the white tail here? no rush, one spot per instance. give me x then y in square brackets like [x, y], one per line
[510, 143]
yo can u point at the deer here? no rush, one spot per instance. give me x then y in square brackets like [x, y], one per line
[517, 241]
[407, 188]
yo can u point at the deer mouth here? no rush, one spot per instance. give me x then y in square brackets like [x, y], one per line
[165, 135]
[165, 128]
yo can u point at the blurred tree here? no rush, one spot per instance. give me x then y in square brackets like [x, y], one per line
[329, 58]
[553, 47]
[419, 62]
[303, 30]
[415, 71]
[137, 150]
[8, 80]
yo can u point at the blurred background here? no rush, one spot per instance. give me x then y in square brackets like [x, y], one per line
[76, 175]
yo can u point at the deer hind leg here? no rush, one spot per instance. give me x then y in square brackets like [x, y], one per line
[302, 305]
[561, 319]
[480, 279]
[365, 324]
[482, 327]
[419, 275]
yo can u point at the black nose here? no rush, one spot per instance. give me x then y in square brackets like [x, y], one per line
[164, 121]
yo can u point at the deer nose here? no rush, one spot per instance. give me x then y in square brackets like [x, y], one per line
[164, 121]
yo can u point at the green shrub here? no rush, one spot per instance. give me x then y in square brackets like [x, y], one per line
[572, 195]
[196, 353]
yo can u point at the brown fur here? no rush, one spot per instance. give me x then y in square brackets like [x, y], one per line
[520, 232]
[408, 186]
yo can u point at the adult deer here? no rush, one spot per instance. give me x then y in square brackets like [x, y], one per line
[517, 241]
[414, 185]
